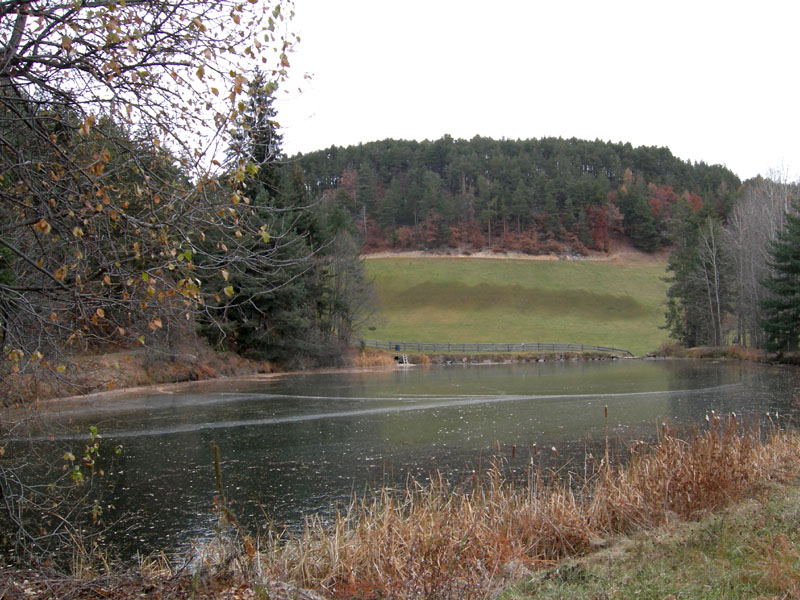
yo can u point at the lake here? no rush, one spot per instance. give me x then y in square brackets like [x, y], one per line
[298, 444]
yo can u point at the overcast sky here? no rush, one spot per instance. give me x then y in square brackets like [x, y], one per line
[713, 81]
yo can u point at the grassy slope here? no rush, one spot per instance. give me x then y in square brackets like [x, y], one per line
[751, 550]
[445, 299]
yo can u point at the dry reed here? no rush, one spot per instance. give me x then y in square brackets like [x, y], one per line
[373, 358]
[433, 540]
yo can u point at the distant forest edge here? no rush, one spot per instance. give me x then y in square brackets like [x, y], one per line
[548, 195]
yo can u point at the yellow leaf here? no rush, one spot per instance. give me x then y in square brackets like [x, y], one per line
[87, 125]
[224, 274]
[42, 225]
[61, 368]
[228, 289]
[101, 313]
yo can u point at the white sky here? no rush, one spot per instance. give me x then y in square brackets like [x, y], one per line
[713, 81]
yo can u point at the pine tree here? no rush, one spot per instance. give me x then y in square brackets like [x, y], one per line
[301, 301]
[782, 309]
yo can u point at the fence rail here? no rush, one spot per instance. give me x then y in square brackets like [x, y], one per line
[489, 347]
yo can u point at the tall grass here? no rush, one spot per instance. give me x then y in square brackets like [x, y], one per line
[434, 540]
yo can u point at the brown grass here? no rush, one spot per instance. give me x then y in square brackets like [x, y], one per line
[370, 357]
[127, 368]
[435, 541]
[734, 351]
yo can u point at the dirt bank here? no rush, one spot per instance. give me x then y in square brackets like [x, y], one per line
[619, 254]
[121, 373]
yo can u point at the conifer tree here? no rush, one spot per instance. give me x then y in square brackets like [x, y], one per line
[782, 309]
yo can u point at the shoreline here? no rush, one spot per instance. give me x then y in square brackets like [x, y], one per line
[417, 360]
[361, 361]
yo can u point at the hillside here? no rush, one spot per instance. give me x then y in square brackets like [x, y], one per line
[550, 195]
[614, 300]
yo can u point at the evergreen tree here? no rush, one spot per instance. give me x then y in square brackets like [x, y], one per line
[543, 187]
[782, 309]
[263, 304]
[301, 302]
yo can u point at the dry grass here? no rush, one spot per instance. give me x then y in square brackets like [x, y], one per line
[370, 357]
[126, 368]
[734, 351]
[435, 541]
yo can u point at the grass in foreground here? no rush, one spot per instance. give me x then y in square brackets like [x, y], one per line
[488, 300]
[751, 550]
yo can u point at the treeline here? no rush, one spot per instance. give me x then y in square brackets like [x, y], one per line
[735, 278]
[533, 196]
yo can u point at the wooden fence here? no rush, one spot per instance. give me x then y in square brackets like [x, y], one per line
[478, 348]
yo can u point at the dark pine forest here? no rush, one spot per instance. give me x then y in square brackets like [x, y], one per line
[532, 196]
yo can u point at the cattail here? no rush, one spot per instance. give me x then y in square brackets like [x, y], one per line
[535, 450]
[513, 451]
[605, 410]
[555, 452]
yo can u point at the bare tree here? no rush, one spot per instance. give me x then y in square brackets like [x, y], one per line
[755, 220]
[111, 114]
[711, 270]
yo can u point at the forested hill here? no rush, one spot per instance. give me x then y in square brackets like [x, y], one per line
[538, 195]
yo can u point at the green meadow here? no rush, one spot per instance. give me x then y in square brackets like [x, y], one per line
[444, 299]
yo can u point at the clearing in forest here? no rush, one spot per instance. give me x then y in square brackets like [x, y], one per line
[445, 299]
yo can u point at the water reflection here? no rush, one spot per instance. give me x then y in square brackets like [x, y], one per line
[301, 443]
